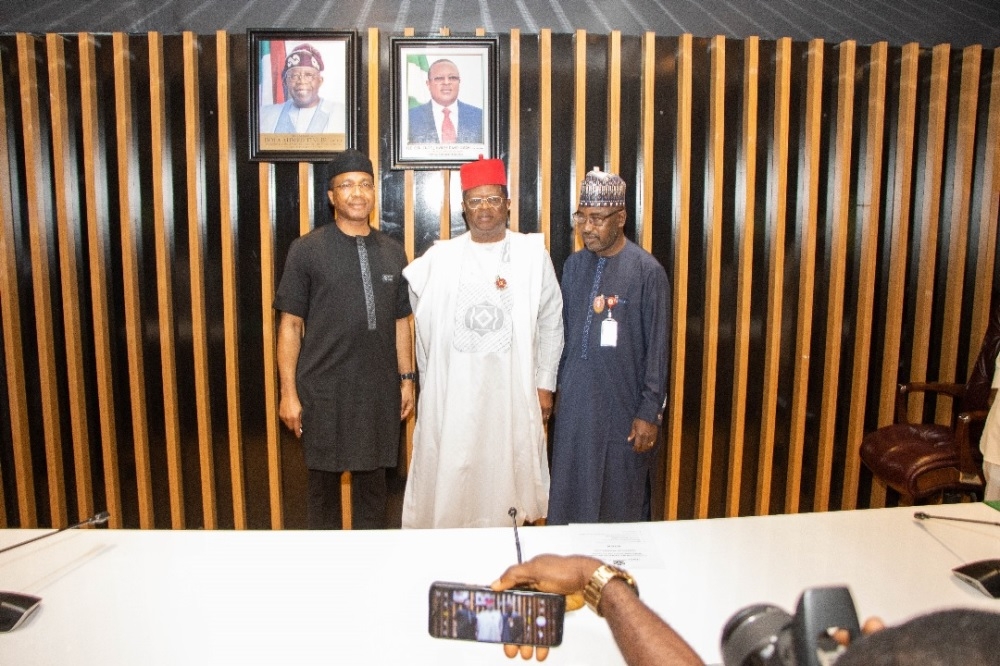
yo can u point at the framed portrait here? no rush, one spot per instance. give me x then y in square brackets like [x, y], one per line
[302, 94]
[444, 101]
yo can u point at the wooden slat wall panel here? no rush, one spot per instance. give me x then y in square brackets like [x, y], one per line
[96, 196]
[779, 420]
[989, 202]
[545, 136]
[838, 208]
[197, 243]
[806, 237]
[163, 225]
[265, 210]
[744, 208]
[67, 216]
[228, 228]
[514, 138]
[23, 475]
[674, 420]
[777, 191]
[956, 225]
[130, 218]
[644, 214]
[614, 100]
[40, 233]
[897, 222]
[712, 232]
[869, 201]
[929, 207]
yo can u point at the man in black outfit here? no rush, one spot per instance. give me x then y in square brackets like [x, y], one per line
[344, 350]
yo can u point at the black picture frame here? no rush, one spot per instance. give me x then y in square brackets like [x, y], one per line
[415, 131]
[331, 125]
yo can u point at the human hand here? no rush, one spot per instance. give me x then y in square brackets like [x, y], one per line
[290, 413]
[407, 392]
[643, 435]
[545, 402]
[870, 626]
[559, 574]
[548, 573]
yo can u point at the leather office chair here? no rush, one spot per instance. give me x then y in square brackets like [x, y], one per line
[923, 461]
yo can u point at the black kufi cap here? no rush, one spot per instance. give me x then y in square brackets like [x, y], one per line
[350, 160]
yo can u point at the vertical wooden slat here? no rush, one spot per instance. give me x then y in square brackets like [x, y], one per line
[838, 218]
[68, 221]
[898, 214]
[989, 202]
[514, 136]
[579, 158]
[614, 99]
[681, 232]
[163, 225]
[444, 215]
[13, 347]
[777, 192]
[228, 225]
[712, 231]
[38, 212]
[129, 220]
[644, 197]
[96, 188]
[197, 224]
[545, 136]
[958, 224]
[807, 224]
[305, 198]
[265, 211]
[869, 203]
[746, 193]
[373, 121]
[930, 211]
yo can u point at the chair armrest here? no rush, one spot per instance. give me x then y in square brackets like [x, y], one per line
[903, 392]
[966, 459]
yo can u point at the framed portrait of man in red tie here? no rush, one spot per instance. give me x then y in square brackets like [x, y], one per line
[444, 100]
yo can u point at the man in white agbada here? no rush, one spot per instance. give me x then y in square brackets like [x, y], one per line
[488, 313]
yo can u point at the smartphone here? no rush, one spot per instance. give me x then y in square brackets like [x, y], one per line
[477, 613]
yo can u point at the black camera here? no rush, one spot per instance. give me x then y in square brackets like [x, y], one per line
[764, 634]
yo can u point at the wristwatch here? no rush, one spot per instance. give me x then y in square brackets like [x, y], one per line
[403, 376]
[601, 577]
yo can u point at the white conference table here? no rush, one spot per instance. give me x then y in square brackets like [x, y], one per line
[289, 597]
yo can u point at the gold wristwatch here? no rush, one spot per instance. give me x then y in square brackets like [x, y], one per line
[600, 578]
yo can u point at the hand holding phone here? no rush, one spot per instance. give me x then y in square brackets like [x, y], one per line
[478, 613]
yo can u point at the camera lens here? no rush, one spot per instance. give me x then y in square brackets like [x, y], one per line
[750, 637]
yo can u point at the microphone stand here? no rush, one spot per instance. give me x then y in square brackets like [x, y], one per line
[517, 541]
[15, 607]
[99, 519]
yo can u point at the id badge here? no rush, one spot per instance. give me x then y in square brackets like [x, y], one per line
[609, 333]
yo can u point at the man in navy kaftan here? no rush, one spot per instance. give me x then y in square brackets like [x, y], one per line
[613, 372]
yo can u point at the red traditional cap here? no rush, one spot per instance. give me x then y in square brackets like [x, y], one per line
[483, 172]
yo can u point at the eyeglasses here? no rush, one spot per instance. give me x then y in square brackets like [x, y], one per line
[307, 77]
[479, 202]
[593, 220]
[349, 185]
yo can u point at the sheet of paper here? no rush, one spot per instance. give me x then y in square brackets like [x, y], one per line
[624, 546]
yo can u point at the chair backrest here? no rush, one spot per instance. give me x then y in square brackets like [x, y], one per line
[977, 389]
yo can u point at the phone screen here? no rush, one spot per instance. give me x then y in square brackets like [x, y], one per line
[475, 613]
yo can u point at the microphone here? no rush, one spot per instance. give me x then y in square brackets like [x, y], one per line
[920, 515]
[15, 607]
[98, 519]
[517, 541]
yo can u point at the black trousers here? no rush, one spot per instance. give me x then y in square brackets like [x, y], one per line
[368, 499]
